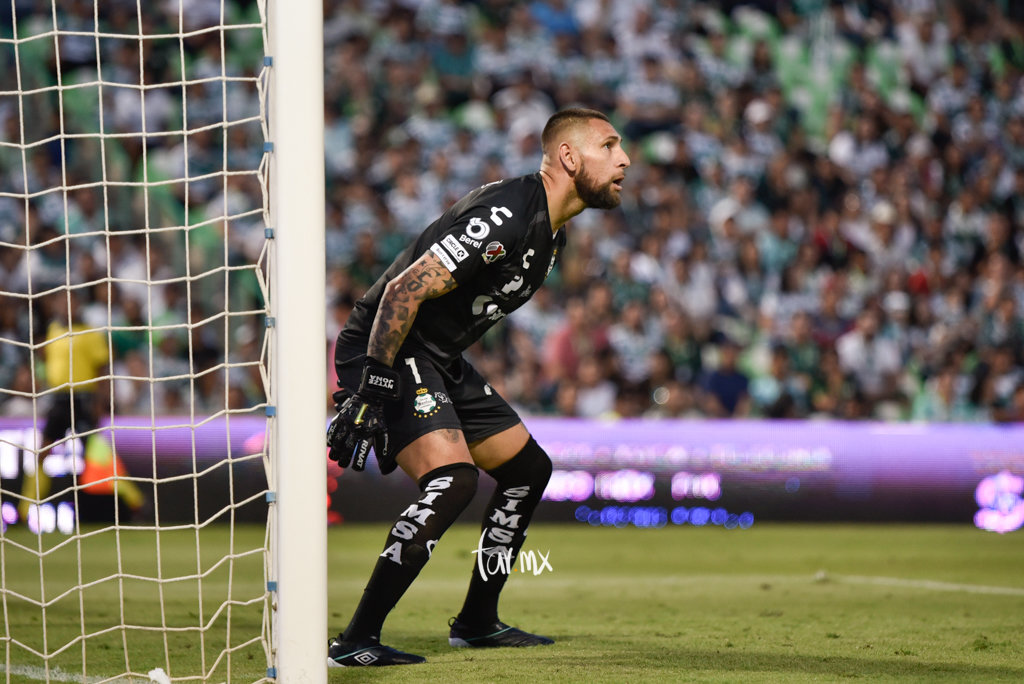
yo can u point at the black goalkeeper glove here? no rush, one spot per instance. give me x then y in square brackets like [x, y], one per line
[360, 420]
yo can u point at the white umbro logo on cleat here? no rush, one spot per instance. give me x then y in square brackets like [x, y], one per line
[365, 658]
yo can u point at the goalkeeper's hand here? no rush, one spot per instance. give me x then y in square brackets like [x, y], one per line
[360, 420]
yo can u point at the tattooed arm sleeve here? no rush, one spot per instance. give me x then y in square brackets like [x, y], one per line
[426, 278]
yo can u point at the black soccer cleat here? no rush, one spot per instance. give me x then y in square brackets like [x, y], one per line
[367, 653]
[491, 636]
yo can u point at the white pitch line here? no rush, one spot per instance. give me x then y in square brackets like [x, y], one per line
[557, 580]
[56, 674]
[932, 585]
[39, 674]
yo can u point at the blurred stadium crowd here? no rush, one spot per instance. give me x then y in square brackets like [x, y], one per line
[824, 216]
[121, 122]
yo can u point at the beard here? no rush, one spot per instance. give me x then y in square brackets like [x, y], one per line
[593, 194]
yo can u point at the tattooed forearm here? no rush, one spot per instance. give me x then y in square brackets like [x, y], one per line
[425, 279]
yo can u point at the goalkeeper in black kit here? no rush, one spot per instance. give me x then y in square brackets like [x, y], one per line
[407, 392]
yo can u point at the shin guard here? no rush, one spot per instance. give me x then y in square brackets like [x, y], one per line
[520, 484]
[446, 491]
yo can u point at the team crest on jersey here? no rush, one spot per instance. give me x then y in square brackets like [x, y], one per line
[425, 405]
[493, 251]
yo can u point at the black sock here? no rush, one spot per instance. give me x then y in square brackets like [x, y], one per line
[446, 492]
[521, 482]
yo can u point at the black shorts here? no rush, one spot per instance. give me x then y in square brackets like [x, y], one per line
[433, 396]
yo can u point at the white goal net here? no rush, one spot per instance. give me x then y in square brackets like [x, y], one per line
[137, 331]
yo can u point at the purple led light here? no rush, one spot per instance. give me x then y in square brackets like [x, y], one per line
[569, 485]
[9, 513]
[626, 486]
[704, 486]
[1002, 506]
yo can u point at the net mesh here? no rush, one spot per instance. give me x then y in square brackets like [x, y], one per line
[134, 377]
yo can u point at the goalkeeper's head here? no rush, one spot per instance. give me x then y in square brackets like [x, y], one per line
[582, 146]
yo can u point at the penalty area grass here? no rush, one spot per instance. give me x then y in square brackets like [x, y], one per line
[67, 597]
[774, 603]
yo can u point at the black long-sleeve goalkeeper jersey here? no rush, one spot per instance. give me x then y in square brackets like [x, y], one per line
[498, 244]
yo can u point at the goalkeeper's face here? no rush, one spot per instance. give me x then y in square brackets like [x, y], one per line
[602, 169]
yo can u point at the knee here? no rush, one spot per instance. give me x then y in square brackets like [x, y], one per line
[540, 463]
[531, 465]
[456, 482]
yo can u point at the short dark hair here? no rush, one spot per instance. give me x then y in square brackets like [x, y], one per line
[565, 119]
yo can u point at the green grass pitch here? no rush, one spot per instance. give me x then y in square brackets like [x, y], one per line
[775, 603]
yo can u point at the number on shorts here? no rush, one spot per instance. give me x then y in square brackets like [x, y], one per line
[411, 363]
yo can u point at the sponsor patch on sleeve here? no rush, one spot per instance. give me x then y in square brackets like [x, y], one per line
[443, 256]
[455, 248]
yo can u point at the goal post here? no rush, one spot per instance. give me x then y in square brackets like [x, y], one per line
[299, 308]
